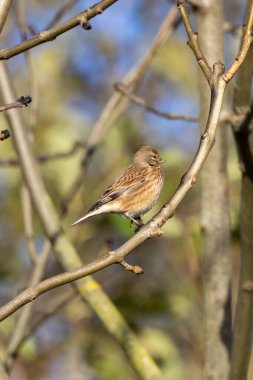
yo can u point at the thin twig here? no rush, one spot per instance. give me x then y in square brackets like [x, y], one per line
[52, 33]
[21, 102]
[143, 103]
[246, 42]
[44, 158]
[61, 12]
[28, 225]
[131, 268]
[33, 83]
[194, 44]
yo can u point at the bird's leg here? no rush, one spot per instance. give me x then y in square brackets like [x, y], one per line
[138, 222]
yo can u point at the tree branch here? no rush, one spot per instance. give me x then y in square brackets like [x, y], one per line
[120, 87]
[194, 44]
[21, 102]
[5, 6]
[246, 42]
[61, 11]
[50, 34]
[44, 158]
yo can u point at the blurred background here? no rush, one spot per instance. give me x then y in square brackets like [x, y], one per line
[73, 78]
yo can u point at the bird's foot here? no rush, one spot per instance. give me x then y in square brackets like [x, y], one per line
[138, 222]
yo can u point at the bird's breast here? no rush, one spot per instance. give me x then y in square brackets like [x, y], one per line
[142, 199]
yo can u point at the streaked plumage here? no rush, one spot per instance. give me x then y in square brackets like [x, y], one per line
[135, 191]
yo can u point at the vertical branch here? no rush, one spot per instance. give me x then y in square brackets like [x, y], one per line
[243, 327]
[28, 225]
[215, 210]
[5, 6]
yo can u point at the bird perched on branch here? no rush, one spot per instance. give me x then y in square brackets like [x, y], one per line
[135, 190]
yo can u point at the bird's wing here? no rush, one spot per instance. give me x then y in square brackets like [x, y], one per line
[129, 180]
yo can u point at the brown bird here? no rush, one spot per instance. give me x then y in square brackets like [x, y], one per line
[135, 191]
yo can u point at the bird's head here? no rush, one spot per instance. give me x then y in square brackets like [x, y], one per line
[148, 155]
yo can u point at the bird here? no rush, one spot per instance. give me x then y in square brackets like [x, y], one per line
[135, 191]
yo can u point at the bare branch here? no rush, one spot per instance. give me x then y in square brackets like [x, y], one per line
[143, 103]
[21, 102]
[194, 44]
[33, 83]
[44, 158]
[27, 217]
[5, 6]
[50, 34]
[61, 11]
[132, 268]
[246, 42]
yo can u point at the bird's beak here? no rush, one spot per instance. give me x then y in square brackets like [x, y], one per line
[162, 161]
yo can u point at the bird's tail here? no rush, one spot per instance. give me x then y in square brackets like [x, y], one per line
[84, 217]
[100, 210]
